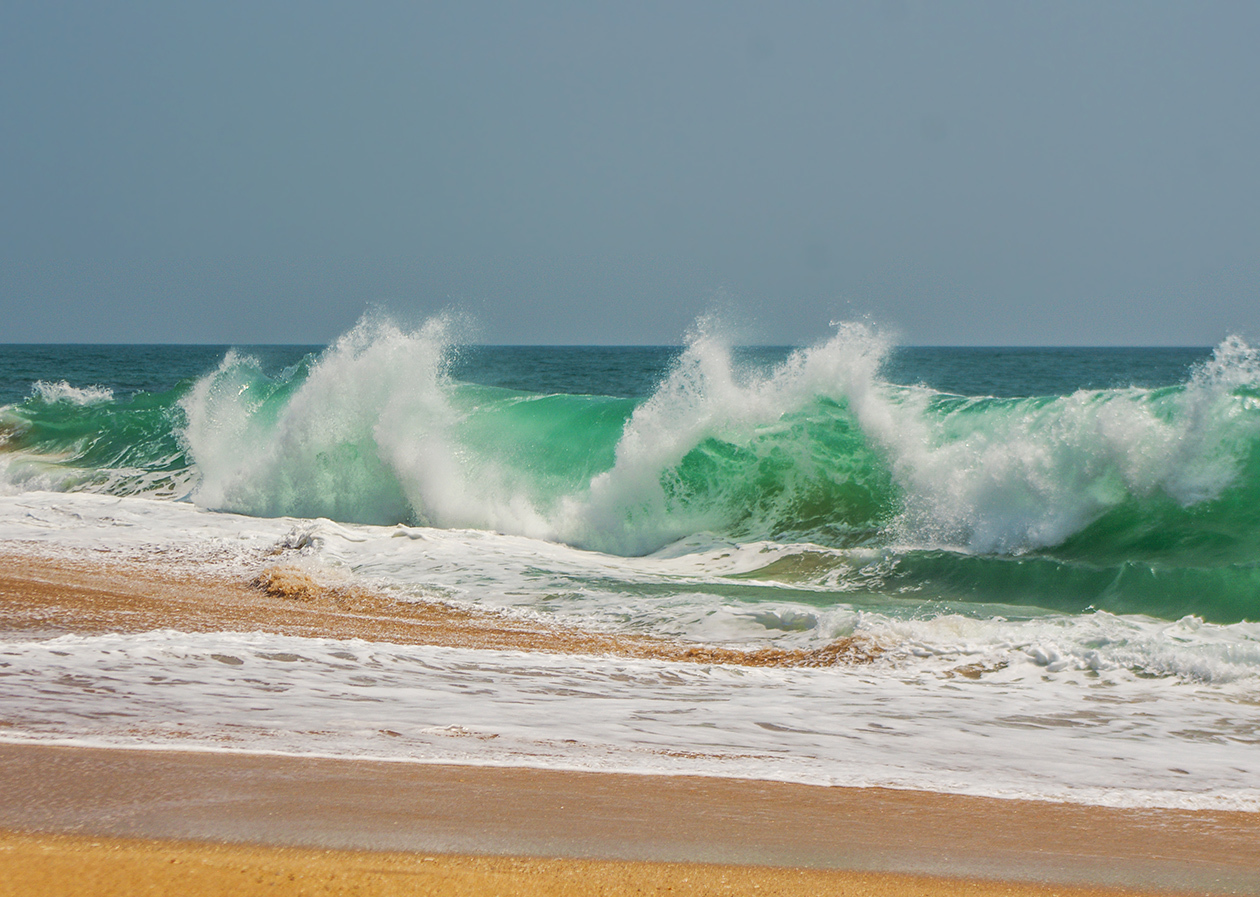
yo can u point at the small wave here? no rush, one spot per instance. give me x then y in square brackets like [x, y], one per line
[66, 439]
[61, 391]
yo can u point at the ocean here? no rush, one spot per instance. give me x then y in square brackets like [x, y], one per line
[1048, 558]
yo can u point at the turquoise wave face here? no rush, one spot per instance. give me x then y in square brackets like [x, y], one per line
[1129, 500]
[70, 440]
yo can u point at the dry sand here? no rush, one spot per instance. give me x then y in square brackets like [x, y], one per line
[91, 821]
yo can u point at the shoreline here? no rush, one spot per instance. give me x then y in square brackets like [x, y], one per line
[54, 595]
[275, 803]
[483, 822]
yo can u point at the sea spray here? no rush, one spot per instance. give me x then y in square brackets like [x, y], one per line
[1007, 476]
[745, 452]
[375, 430]
[1131, 499]
[309, 442]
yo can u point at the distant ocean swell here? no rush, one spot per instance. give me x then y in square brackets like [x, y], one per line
[1128, 500]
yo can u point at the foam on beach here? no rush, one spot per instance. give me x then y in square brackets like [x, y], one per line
[1052, 707]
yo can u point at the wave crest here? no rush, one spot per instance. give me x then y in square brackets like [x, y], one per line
[61, 391]
[819, 447]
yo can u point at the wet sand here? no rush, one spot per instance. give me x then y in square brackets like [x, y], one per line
[460, 811]
[53, 596]
[413, 828]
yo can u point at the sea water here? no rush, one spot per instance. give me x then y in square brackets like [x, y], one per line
[1051, 554]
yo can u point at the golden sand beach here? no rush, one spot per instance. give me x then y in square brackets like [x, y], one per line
[105, 867]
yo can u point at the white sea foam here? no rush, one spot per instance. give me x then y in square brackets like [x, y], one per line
[687, 595]
[1099, 742]
[61, 391]
[1098, 708]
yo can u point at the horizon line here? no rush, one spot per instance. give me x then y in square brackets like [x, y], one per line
[628, 345]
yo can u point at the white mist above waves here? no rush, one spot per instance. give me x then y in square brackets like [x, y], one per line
[1156, 744]
[373, 434]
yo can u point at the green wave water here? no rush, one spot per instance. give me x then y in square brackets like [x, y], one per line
[1131, 499]
[65, 440]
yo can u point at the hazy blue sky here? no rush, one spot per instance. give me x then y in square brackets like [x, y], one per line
[968, 173]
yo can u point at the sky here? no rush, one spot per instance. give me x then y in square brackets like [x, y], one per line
[962, 173]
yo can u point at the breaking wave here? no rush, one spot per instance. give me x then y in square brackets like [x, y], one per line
[1127, 499]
